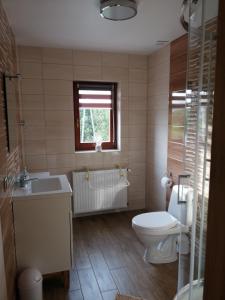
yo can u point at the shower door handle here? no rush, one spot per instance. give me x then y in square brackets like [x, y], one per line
[180, 177]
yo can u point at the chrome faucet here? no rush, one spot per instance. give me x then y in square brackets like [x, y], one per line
[23, 180]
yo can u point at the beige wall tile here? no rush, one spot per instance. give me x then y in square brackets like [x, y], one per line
[115, 60]
[158, 91]
[125, 145]
[111, 160]
[115, 74]
[138, 61]
[157, 133]
[123, 89]
[156, 102]
[136, 194]
[157, 196]
[89, 160]
[58, 102]
[31, 54]
[31, 86]
[32, 102]
[60, 146]
[87, 73]
[125, 118]
[34, 117]
[137, 103]
[158, 117]
[34, 133]
[158, 73]
[137, 169]
[123, 103]
[137, 188]
[35, 147]
[61, 161]
[159, 56]
[60, 171]
[57, 56]
[160, 87]
[55, 135]
[138, 90]
[59, 132]
[57, 71]
[137, 157]
[136, 203]
[137, 143]
[137, 117]
[157, 170]
[137, 130]
[30, 70]
[36, 162]
[138, 75]
[58, 87]
[87, 58]
[59, 118]
[125, 131]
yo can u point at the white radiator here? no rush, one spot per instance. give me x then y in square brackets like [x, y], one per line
[99, 190]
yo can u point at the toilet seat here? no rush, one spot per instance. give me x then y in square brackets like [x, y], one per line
[154, 222]
[161, 232]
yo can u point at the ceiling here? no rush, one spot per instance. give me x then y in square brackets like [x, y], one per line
[77, 24]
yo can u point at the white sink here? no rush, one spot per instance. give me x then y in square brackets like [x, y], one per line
[42, 186]
[46, 185]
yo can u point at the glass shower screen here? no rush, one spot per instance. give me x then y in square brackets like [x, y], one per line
[198, 132]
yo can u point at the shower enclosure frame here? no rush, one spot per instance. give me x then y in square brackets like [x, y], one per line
[206, 43]
[214, 287]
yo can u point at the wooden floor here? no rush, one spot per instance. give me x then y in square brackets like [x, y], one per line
[108, 259]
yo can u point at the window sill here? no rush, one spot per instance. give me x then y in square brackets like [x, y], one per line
[103, 151]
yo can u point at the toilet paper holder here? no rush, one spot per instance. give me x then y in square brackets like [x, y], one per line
[166, 180]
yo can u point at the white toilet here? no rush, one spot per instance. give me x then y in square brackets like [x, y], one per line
[161, 231]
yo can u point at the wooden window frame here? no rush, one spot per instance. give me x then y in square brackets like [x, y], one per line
[112, 144]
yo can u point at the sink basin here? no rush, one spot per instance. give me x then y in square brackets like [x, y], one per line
[46, 185]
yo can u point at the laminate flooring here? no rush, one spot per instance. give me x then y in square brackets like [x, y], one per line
[108, 258]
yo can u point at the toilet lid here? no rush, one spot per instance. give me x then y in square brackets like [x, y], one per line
[160, 220]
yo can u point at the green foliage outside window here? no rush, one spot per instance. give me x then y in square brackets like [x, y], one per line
[94, 125]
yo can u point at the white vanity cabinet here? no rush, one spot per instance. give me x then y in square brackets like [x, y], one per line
[43, 226]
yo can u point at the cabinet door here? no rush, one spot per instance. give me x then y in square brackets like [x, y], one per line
[43, 233]
[71, 237]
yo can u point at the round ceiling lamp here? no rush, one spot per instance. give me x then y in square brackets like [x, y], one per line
[118, 10]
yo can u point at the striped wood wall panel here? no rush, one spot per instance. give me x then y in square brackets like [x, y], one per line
[199, 117]
[178, 69]
[9, 163]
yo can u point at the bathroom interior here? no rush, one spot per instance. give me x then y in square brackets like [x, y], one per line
[112, 150]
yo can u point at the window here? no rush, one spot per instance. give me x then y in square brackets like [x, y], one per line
[95, 115]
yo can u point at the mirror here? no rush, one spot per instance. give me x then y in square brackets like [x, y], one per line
[9, 91]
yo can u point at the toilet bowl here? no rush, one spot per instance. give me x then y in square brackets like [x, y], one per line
[159, 231]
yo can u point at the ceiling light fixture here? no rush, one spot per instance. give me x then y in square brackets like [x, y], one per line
[118, 10]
